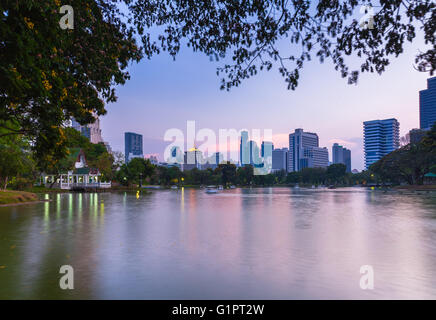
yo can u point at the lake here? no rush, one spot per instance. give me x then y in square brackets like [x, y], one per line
[260, 243]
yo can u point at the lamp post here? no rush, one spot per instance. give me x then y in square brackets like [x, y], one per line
[140, 180]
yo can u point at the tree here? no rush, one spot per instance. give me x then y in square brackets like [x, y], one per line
[137, 169]
[227, 172]
[336, 173]
[409, 163]
[245, 175]
[166, 175]
[261, 34]
[118, 160]
[264, 179]
[280, 176]
[15, 158]
[293, 177]
[104, 163]
[363, 177]
[313, 175]
[48, 75]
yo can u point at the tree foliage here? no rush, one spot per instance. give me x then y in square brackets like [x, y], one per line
[48, 75]
[409, 163]
[136, 171]
[16, 161]
[260, 34]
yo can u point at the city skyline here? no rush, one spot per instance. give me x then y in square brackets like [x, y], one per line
[336, 112]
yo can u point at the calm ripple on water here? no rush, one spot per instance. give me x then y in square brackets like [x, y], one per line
[263, 243]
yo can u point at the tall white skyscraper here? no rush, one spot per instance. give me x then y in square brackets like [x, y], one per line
[92, 130]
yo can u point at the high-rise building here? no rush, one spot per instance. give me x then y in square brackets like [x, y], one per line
[266, 147]
[213, 161]
[132, 146]
[299, 142]
[315, 157]
[347, 159]
[427, 105]
[341, 155]
[193, 159]
[280, 159]
[380, 138]
[244, 149]
[255, 159]
[92, 130]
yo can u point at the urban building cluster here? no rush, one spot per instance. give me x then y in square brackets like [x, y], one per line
[303, 152]
[380, 137]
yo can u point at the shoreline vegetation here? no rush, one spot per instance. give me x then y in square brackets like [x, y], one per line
[11, 197]
[410, 169]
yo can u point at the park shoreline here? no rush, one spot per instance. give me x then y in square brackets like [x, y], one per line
[13, 197]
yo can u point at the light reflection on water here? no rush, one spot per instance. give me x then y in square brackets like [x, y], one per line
[242, 243]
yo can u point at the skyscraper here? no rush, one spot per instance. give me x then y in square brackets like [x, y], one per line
[341, 155]
[132, 146]
[267, 146]
[315, 157]
[427, 105]
[92, 130]
[254, 153]
[280, 159]
[380, 138]
[347, 159]
[304, 151]
[244, 149]
[193, 159]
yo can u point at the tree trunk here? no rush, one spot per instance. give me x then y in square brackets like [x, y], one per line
[6, 183]
[54, 181]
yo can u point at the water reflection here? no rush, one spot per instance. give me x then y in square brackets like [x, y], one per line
[241, 243]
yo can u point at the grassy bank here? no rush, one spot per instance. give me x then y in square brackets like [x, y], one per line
[11, 197]
[40, 189]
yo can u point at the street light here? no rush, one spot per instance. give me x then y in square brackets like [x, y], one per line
[140, 180]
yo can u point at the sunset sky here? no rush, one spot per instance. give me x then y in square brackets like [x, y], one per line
[164, 94]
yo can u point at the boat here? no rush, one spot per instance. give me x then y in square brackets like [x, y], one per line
[331, 187]
[297, 186]
[211, 189]
[313, 187]
[174, 187]
[232, 187]
[220, 187]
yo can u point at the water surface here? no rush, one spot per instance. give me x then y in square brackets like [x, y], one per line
[270, 243]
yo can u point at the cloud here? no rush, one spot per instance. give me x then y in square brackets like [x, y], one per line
[345, 143]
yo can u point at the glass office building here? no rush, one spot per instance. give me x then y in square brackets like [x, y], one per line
[380, 138]
[132, 146]
[427, 105]
[341, 155]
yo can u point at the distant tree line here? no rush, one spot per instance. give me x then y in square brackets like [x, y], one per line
[227, 174]
[20, 170]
